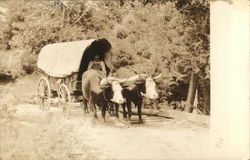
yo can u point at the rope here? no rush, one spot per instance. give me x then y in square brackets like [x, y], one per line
[103, 93]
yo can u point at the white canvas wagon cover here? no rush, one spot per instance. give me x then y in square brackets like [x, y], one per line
[62, 59]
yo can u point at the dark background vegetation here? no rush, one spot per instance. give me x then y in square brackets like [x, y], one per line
[153, 36]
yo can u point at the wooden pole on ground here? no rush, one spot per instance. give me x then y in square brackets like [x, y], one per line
[191, 93]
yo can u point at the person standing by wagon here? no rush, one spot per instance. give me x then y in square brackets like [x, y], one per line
[97, 64]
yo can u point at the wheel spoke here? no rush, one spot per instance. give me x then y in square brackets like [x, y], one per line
[43, 94]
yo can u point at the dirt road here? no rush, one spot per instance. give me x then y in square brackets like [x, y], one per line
[28, 133]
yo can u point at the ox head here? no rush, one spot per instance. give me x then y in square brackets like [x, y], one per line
[147, 85]
[112, 89]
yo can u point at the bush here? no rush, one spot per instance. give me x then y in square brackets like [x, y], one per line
[11, 64]
[16, 63]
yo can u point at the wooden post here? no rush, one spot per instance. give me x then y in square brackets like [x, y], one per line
[191, 93]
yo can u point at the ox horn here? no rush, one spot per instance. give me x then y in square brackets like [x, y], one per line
[117, 79]
[143, 76]
[123, 80]
[156, 77]
[104, 81]
[135, 71]
[137, 77]
[133, 78]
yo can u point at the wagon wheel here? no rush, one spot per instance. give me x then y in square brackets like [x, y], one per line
[43, 94]
[64, 98]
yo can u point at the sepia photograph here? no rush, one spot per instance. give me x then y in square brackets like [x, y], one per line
[110, 79]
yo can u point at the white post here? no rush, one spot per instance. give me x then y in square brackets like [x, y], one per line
[230, 79]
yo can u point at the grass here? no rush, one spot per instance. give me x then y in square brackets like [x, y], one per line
[20, 91]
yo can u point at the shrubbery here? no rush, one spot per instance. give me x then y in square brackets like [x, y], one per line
[14, 63]
[11, 64]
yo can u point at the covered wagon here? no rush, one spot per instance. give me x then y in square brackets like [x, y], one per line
[61, 66]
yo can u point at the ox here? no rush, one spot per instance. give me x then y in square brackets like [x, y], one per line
[137, 87]
[99, 90]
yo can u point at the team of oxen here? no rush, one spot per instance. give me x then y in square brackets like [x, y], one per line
[125, 88]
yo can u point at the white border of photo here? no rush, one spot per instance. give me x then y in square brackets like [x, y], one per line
[230, 79]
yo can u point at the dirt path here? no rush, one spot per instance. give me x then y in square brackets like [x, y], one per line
[33, 134]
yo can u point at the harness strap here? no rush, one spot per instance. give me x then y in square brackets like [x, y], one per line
[103, 93]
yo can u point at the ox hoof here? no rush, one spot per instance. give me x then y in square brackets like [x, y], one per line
[128, 123]
[140, 121]
[93, 124]
[117, 116]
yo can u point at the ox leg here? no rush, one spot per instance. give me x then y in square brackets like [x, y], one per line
[112, 108]
[104, 112]
[117, 110]
[93, 110]
[85, 106]
[129, 110]
[139, 111]
[124, 110]
[95, 113]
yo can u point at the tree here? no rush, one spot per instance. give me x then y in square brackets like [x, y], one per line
[197, 19]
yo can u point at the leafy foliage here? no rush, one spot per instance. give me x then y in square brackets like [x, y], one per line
[11, 64]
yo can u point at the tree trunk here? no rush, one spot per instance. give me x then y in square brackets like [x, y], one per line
[63, 17]
[204, 96]
[191, 93]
